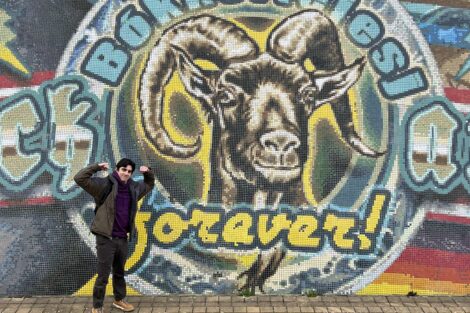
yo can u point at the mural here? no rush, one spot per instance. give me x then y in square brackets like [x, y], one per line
[298, 146]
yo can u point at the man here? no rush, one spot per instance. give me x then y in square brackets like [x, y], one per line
[116, 196]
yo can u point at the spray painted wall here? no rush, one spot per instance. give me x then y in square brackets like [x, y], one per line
[298, 145]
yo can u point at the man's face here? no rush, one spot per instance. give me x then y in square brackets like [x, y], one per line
[125, 173]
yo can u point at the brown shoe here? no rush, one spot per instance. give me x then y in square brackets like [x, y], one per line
[123, 305]
[97, 310]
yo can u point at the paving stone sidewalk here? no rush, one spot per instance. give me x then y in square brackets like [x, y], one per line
[238, 304]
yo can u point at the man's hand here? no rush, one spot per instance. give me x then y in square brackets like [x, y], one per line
[144, 169]
[103, 166]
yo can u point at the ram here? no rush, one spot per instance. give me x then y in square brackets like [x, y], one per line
[258, 103]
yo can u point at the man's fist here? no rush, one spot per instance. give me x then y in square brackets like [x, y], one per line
[103, 166]
[143, 169]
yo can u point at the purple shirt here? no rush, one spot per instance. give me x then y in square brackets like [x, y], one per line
[123, 205]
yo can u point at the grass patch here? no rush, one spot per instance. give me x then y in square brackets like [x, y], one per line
[246, 293]
[311, 293]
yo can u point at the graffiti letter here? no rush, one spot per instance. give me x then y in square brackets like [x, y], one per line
[279, 222]
[17, 119]
[301, 230]
[341, 228]
[205, 220]
[429, 157]
[196, 4]
[161, 10]
[169, 227]
[375, 213]
[142, 241]
[365, 29]
[236, 229]
[106, 62]
[342, 8]
[406, 83]
[389, 57]
[463, 153]
[72, 144]
[133, 29]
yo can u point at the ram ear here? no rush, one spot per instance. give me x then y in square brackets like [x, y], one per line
[197, 82]
[331, 86]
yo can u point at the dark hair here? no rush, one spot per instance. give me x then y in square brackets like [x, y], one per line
[124, 163]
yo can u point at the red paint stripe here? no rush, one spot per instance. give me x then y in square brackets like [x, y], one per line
[433, 264]
[458, 95]
[36, 79]
[453, 94]
[448, 218]
[438, 272]
[39, 201]
[423, 257]
[32, 201]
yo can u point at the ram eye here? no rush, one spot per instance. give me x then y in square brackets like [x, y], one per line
[308, 94]
[226, 98]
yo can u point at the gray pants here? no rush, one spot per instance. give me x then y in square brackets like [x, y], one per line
[112, 253]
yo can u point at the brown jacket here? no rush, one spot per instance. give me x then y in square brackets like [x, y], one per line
[103, 222]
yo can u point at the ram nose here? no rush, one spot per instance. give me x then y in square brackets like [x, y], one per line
[279, 141]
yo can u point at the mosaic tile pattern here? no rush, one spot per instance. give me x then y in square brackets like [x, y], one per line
[343, 169]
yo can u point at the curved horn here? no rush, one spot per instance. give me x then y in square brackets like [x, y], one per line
[310, 34]
[204, 37]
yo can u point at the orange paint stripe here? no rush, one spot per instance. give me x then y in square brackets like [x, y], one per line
[414, 283]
